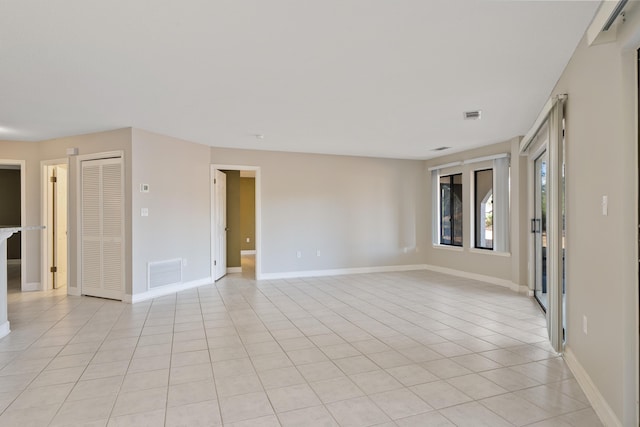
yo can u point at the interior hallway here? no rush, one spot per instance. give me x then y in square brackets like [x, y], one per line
[389, 349]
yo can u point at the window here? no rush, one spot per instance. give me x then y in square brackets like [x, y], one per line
[483, 208]
[451, 210]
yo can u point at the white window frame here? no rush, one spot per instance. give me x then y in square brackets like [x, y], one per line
[501, 194]
[436, 173]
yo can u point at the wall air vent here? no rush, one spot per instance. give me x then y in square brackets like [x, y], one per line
[440, 148]
[472, 115]
[163, 273]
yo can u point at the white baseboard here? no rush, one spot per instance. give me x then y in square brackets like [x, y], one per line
[480, 277]
[14, 261]
[234, 270]
[31, 287]
[338, 272]
[252, 252]
[599, 404]
[166, 290]
[4, 329]
[73, 291]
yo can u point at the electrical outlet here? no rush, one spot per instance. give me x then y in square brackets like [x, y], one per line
[299, 254]
[144, 212]
[318, 252]
[605, 205]
[584, 324]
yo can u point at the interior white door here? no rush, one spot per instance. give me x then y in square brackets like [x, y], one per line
[220, 221]
[61, 226]
[102, 228]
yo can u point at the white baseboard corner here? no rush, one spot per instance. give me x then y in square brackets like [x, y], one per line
[166, 290]
[251, 252]
[338, 272]
[4, 329]
[479, 277]
[31, 287]
[599, 404]
[231, 270]
[73, 291]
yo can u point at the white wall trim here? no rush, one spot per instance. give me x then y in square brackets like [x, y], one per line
[489, 252]
[480, 277]
[231, 270]
[599, 404]
[32, 286]
[73, 291]
[166, 290]
[449, 248]
[338, 272]
[5, 329]
[251, 252]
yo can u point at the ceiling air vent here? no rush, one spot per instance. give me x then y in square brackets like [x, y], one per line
[472, 115]
[440, 148]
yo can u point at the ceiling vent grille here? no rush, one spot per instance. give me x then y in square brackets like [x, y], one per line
[472, 115]
[440, 148]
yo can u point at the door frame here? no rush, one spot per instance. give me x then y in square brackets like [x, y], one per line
[537, 149]
[44, 210]
[22, 165]
[258, 237]
[77, 177]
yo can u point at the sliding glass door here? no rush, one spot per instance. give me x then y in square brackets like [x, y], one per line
[539, 228]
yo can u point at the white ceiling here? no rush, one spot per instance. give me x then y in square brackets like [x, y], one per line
[388, 78]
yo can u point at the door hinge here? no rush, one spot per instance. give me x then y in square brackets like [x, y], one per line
[53, 269]
[215, 262]
[215, 181]
[53, 179]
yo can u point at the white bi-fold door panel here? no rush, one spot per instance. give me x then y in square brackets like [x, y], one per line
[103, 228]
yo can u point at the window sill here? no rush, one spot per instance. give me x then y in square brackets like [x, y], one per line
[449, 248]
[490, 252]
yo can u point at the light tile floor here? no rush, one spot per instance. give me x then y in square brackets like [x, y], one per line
[389, 349]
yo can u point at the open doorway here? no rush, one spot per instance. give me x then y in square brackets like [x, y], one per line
[54, 216]
[235, 221]
[11, 215]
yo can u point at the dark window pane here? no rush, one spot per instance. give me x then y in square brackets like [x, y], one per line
[483, 208]
[451, 210]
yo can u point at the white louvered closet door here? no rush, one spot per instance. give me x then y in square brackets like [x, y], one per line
[102, 228]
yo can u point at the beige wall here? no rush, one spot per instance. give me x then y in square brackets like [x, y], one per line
[234, 233]
[10, 207]
[179, 221]
[248, 214]
[358, 212]
[511, 268]
[602, 255]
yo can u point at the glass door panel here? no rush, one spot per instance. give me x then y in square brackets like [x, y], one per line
[539, 227]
